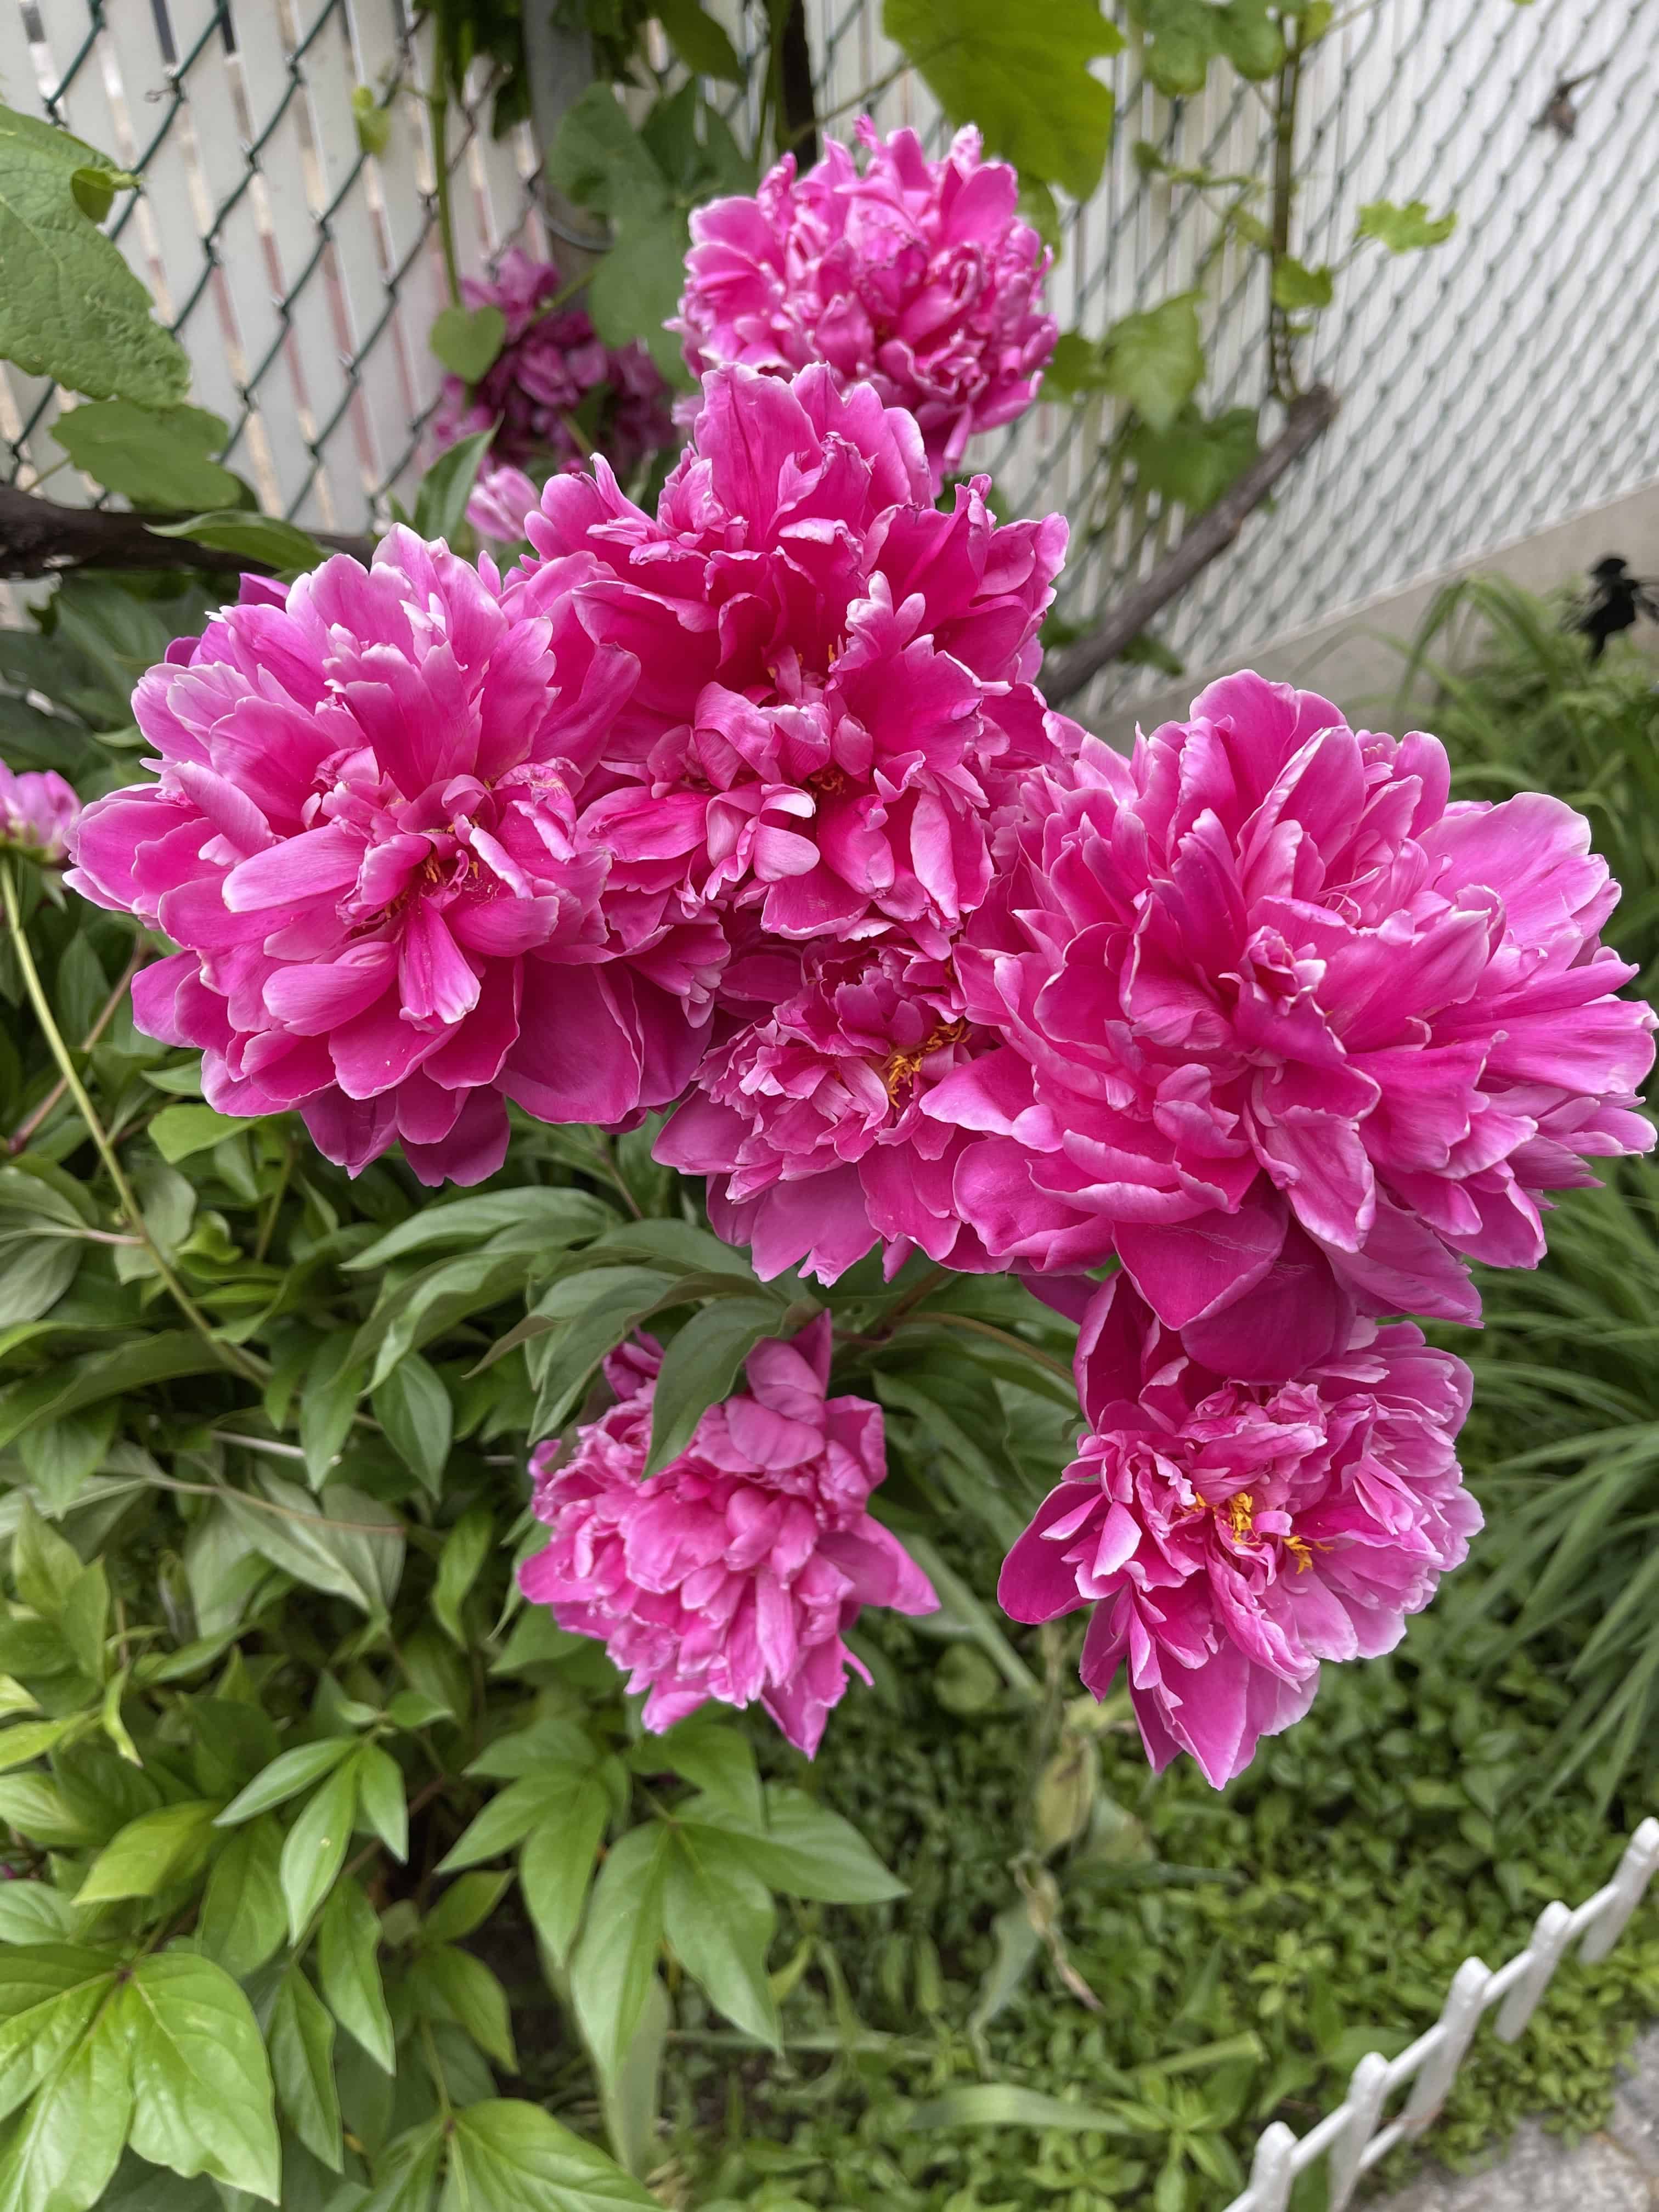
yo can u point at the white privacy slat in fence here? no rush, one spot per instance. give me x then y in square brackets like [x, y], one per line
[1353, 2138]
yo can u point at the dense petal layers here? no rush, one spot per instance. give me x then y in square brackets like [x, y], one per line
[915, 276]
[1267, 996]
[370, 836]
[1229, 1537]
[732, 1574]
[38, 813]
[551, 364]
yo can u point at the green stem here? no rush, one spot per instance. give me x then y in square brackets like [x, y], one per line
[998, 1335]
[268, 1226]
[229, 1356]
[438, 102]
[20, 1137]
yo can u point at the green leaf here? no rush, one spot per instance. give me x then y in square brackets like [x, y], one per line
[1002, 2105]
[1407, 229]
[243, 1921]
[450, 1983]
[635, 288]
[38, 1809]
[718, 1917]
[700, 41]
[1022, 75]
[1295, 286]
[306, 1541]
[84, 1620]
[71, 308]
[381, 1797]
[408, 2174]
[467, 1548]
[266, 539]
[179, 1131]
[151, 1852]
[467, 340]
[286, 1777]
[300, 2040]
[511, 2156]
[440, 503]
[348, 1965]
[612, 1966]
[44, 1568]
[1194, 461]
[412, 1405]
[606, 1310]
[556, 1863]
[203, 2100]
[59, 2155]
[60, 1456]
[49, 1993]
[1078, 366]
[1250, 39]
[557, 1219]
[159, 1357]
[328, 1402]
[315, 1848]
[34, 1275]
[804, 1850]
[1155, 358]
[465, 1905]
[373, 122]
[95, 187]
[508, 1818]
[712, 1756]
[154, 456]
[699, 1368]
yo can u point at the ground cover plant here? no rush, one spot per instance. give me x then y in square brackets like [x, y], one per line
[589, 1136]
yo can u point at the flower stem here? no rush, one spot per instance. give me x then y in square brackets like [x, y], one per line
[26, 1130]
[438, 102]
[230, 1356]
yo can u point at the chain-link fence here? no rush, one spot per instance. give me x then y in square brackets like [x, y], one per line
[1500, 384]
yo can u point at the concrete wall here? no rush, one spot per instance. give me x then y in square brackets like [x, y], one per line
[1355, 660]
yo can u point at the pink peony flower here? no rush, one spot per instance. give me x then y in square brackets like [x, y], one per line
[551, 364]
[835, 693]
[917, 277]
[500, 499]
[1274, 1007]
[38, 813]
[369, 838]
[807, 1119]
[733, 1573]
[1229, 1538]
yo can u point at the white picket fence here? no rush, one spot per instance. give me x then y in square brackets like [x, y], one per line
[1355, 2137]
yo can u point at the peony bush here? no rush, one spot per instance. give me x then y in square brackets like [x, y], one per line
[587, 1118]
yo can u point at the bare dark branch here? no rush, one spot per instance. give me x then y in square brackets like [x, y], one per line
[1070, 667]
[40, 538]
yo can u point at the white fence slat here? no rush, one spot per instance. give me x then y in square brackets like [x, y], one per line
[173, 192]
[1636, 1871]
[1271, 2170]
[19, 84]
[1367, 2089]
[1551, 1934]
[401, 174]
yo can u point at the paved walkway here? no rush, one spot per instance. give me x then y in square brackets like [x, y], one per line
[1616, 2171]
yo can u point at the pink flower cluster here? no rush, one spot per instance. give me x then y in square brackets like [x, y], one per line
[917, 277]
[1229, 1536]
[550, 364]
[38, 813]
[734, 1573]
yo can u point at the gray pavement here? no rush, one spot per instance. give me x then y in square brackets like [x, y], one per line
[1614, 2171]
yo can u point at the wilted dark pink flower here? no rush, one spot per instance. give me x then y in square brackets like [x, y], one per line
[1229, 1538]
[1269, 997]
[38, 813]
[732, 1574]
[368, 836]
[550, 364]
[806, 1119]
[835, 693]
[917, 277]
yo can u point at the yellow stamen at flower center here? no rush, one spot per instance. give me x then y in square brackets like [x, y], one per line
[901, 1069]
[1302, 1552]
[1239, 1512]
